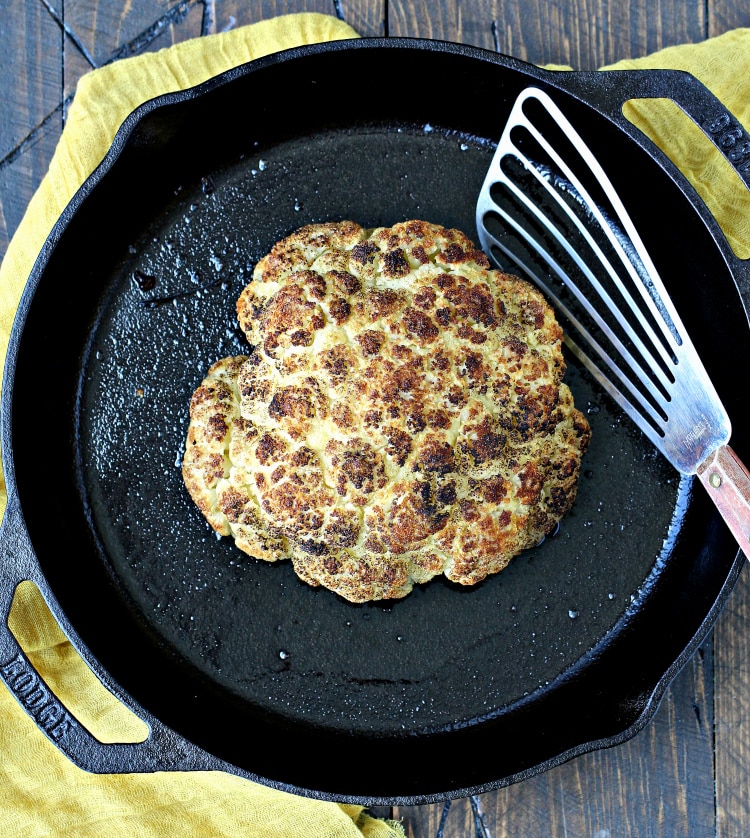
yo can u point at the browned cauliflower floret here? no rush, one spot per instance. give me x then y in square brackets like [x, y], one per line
[401, 413]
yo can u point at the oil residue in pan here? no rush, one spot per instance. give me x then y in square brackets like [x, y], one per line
[442, 655]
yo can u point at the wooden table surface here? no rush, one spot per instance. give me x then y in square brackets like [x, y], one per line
[686, 773]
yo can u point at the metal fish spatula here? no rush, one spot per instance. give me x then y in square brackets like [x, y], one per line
[548, 208]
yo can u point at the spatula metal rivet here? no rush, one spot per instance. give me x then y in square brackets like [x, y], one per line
[715, 480]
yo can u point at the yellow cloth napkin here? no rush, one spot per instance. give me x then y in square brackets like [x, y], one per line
[41, 792]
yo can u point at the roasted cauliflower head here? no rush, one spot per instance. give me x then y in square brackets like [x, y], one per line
[400, 413]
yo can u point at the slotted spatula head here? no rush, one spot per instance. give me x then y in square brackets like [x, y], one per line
[548, 210]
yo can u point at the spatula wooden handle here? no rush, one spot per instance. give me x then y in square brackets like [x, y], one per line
[727, 481]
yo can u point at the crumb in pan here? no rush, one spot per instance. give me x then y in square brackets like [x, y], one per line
[401, 413]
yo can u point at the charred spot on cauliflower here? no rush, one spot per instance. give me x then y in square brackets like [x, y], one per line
[401, 414]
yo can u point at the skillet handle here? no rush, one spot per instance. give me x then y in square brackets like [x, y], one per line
[609, 90]
[727, 481]
[162, 750]
[724, 130]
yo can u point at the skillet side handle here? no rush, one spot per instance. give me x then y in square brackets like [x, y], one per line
[609, 90]
[162, 750]
[718, 123]
[727, 481]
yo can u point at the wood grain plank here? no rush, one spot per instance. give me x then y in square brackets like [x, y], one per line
[103, 29]
[732, 651]
[732, 708]
[366, 17]
[240, 13]
[424, 19]
[30, 71]
[30, 123]
[724, 15]
[584, 34]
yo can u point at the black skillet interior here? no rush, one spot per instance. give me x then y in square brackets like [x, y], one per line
[452, 689]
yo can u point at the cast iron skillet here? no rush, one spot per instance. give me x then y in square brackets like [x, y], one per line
[234, 664]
